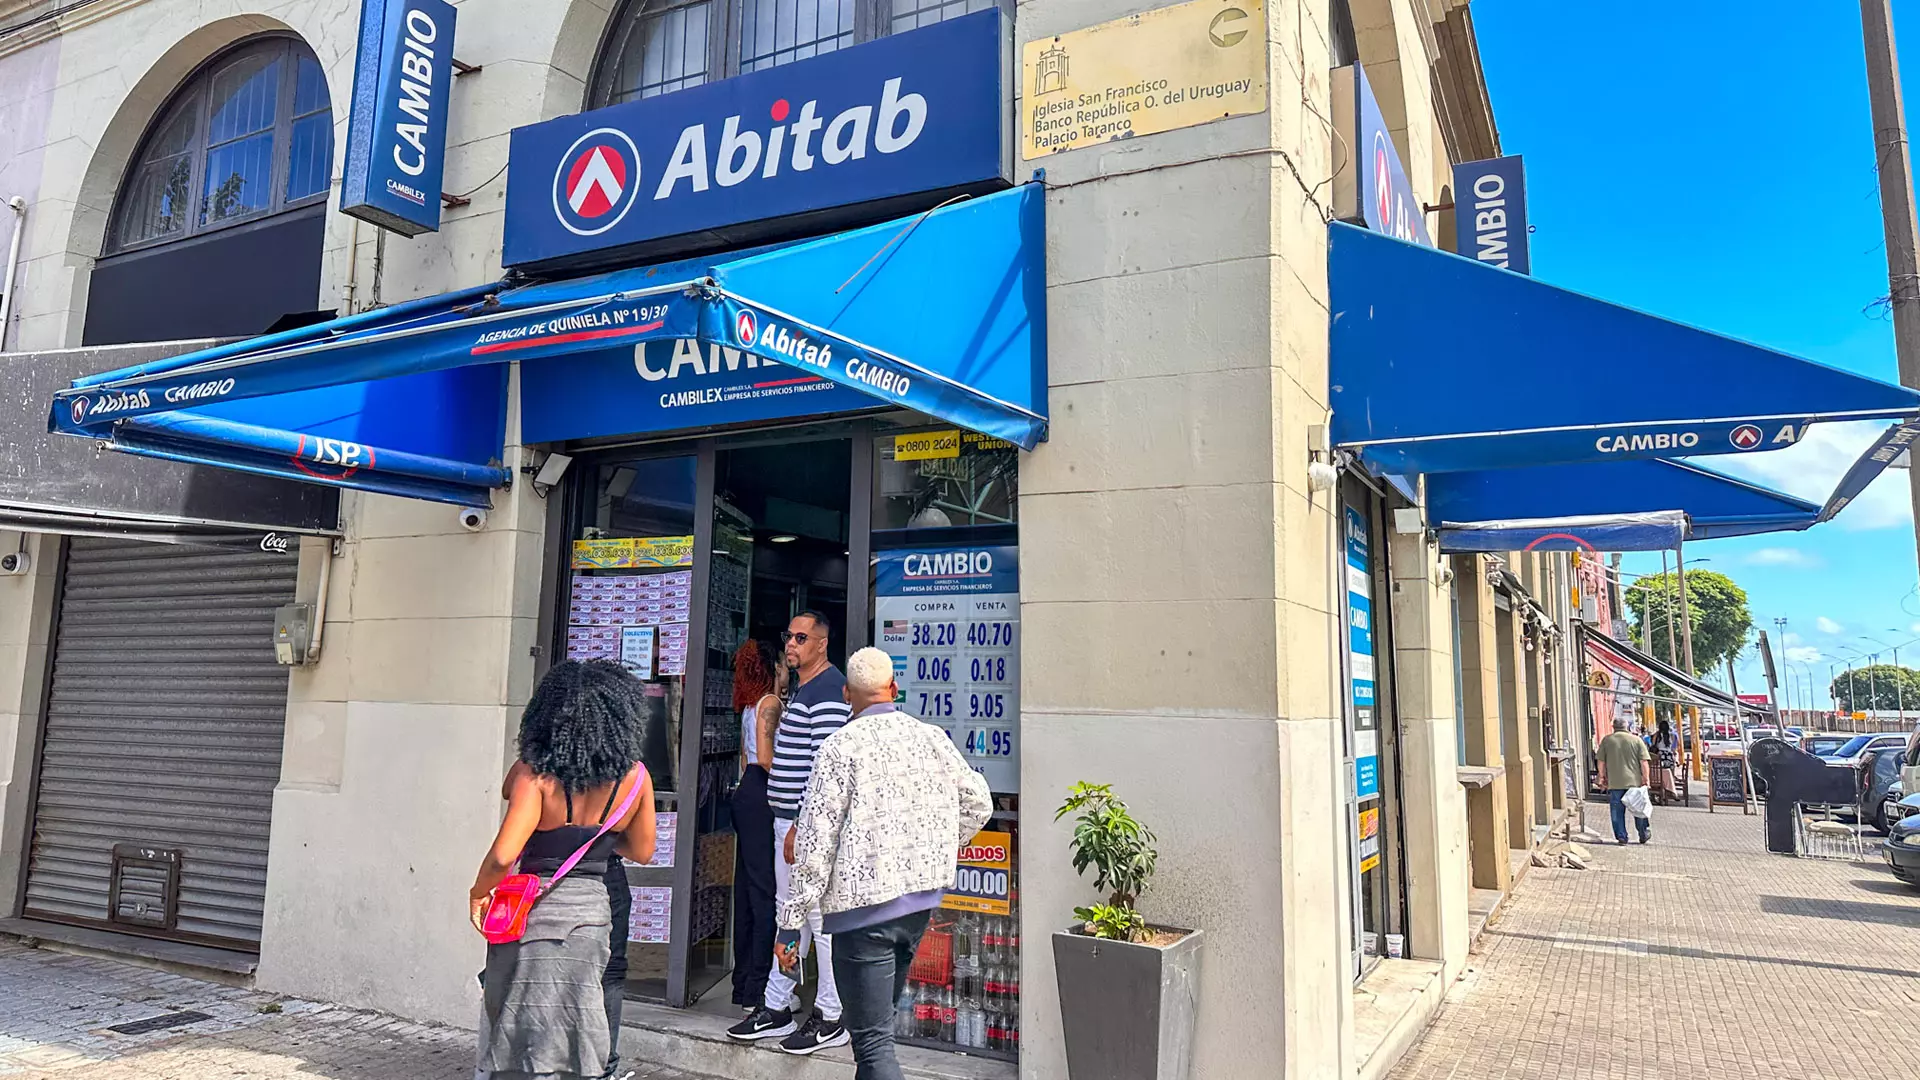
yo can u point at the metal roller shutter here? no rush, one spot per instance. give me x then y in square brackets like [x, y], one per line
[165, 716]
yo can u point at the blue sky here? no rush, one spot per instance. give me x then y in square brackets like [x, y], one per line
[1713, 163]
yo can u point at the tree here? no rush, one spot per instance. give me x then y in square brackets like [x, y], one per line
[1718, 609]
[1876, 687]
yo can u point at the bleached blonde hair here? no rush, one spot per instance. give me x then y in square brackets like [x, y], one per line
[869, 670]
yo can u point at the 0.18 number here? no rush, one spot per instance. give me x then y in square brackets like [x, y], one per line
[989, 668]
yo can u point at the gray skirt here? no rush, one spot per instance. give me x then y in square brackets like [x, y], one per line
[546, 1017]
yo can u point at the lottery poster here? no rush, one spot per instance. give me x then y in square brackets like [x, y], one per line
[950, 618]
[1360, 657]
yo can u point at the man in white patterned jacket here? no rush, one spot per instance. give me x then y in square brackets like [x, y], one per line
[887, 809]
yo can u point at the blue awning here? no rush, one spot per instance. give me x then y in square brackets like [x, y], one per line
[1444, 364]
[1606, 506]
[942, 312]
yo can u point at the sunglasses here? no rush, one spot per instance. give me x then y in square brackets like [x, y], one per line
[788, 635]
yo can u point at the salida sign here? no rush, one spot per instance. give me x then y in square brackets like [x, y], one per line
[912, 113]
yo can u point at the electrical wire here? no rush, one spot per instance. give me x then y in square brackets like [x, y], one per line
[46, 17]
[483, 183]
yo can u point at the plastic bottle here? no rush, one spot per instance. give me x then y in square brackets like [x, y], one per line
[926, 1012]
[903, 1013]
[949, 1014]
[970, 1027]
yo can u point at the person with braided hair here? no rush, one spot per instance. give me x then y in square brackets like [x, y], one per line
[546, 1009]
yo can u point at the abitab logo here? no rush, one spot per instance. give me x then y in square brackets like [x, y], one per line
[810, 141]
[597, 182]
[745, 328]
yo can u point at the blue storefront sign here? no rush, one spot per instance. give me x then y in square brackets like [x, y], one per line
[397, 136]
[1387, 203]
[667, 386]
[908, 114]
[1490, 213]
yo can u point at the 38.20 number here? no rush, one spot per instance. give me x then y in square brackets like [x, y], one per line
[935, 634]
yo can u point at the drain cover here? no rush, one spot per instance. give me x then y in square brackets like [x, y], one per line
[159, 1023]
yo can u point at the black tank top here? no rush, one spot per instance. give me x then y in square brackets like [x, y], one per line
[547, 848]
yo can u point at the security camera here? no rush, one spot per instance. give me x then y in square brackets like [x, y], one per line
[473, 519]
[15, 563]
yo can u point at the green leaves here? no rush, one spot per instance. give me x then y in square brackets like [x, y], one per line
[1718, 607]
[1112, 923]
[1120, 851]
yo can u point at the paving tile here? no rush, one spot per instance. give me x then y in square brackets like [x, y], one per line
[1697, 955]
[55, 1009]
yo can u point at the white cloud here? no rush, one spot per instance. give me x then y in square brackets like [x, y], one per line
[1825, 625]
[1804, 654]
[1790, 638]
[1813, 466]
[1782, 556]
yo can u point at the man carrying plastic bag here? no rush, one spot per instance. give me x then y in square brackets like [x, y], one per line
[1623, 771]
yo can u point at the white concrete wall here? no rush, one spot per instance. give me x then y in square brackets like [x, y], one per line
[26, 617]
[1175, 588]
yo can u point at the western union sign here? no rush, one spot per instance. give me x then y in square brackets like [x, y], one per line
[1156, 71]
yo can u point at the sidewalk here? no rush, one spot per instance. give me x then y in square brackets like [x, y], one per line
[1697, 955]
[56, 1012]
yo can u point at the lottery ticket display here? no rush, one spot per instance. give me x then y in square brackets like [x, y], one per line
[652, 918]
[950, 618]
[606, 613]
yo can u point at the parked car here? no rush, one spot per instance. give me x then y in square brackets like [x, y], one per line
[1879, 775]
[1824, 743]
[1902, 846]
[1855, 750]
[1894, 808]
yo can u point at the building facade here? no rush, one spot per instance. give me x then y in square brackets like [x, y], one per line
[1340, 735]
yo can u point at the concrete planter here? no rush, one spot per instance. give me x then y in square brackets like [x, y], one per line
[1127, 1010]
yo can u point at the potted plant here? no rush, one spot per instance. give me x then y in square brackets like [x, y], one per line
[1128, 990]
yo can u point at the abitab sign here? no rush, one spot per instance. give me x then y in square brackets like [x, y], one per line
[910, 114]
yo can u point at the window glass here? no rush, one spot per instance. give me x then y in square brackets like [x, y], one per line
[655, 53]
[213, 157]
[775, 32]
[159, 190]
[913, 14]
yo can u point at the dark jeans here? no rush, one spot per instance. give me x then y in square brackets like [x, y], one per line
[1618, 808]
[870, 967]
[752, 888]
[613, 981]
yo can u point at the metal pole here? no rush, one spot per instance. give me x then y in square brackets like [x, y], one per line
[1686, 644]
[1896, 197]
[19, 207]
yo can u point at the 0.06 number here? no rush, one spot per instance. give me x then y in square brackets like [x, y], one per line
[933, 668]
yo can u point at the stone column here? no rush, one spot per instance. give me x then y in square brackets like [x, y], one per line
[1487, 823]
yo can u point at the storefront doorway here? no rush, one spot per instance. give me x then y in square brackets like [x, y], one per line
[903, 535]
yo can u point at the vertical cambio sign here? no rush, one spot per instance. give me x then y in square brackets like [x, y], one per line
[909, 114]
[1370, 183]
[1490, 213]
[1360, 660]
[397, 137]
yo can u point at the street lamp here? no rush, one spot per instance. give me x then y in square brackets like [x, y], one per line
[1899, 683]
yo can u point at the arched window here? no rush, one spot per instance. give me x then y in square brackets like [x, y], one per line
[247, 136]
[658, 46]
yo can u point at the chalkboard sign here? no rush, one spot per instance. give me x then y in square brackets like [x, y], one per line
[1729, 786]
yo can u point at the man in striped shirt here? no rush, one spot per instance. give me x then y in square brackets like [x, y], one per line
[817, 710]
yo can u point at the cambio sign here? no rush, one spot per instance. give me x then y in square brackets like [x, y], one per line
[397, 137]
[913, 113]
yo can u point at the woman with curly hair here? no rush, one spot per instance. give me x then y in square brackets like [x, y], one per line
[545, 1013]
[758, 677]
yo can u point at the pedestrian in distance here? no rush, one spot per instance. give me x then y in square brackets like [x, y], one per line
[759, 683]
[1623, 765]
[545, 1012]
[889, 805]
[817, 709]
[1665, 747]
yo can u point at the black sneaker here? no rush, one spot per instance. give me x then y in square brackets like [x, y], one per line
[817, 1033]
[764, 1023]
